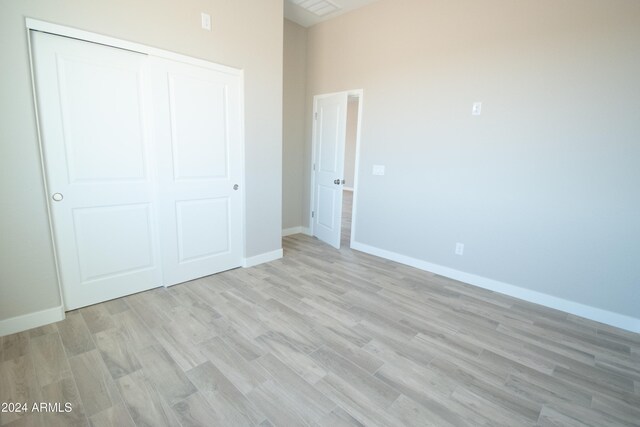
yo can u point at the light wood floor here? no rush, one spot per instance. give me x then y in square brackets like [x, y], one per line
[328, 338]
[347, 209]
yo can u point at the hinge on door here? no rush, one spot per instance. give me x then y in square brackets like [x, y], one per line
[315, 115]
[313, 214]
[314, 166]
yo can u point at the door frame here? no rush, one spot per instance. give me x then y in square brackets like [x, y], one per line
[87, 36]
[358, 93]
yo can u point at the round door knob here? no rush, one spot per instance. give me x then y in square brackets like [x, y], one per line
[236, 186]
[57, 197]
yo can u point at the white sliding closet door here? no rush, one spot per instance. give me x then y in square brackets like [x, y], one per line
[92, 106]
[143, 161]
[198, 131]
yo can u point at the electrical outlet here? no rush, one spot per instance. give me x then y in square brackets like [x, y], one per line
[476, 110]
[206, 21]
[459, 248]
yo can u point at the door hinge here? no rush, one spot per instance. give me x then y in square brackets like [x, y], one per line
[314, 166]
[315, 115]
[313, 214]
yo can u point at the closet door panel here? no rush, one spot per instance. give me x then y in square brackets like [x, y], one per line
[93, 107]
[198, 128]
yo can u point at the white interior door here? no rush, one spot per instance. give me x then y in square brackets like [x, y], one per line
[198, 129]
[329, 135]
[92, 105]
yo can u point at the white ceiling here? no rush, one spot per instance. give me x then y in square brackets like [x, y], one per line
[294, 11]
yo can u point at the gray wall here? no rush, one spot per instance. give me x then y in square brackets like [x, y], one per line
[544, 187]
[293, 119]
[246, 34]
[350, 143]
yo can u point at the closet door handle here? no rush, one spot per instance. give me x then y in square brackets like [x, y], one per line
[57, 197]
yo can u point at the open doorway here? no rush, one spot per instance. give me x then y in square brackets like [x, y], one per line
[349, 169]
[334, 179]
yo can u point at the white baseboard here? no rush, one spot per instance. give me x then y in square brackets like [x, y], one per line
[31, 320]
[290, 231]
[597, 314]
[262, 258]
[296, 230]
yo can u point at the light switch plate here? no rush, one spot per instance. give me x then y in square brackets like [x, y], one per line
[206, 21]
[378, 169]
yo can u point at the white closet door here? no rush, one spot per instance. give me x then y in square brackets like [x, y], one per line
[92, 105]
[198, 129]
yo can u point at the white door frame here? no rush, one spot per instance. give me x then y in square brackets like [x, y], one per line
[359, 93]
[64, 31]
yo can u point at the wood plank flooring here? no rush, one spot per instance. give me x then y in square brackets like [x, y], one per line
[347, 210]
[323, 338]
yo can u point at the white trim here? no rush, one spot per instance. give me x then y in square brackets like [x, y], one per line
[61, 30]
[293, 230]
[296, 230]
[356, 169]
[593, 313]
[243, 175]
[262, 258]
[28, 321]
[348, 189]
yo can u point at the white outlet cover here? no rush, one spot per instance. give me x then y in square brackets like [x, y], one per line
[206, 21]
[378, 170]
[476, 110]
[459, 248]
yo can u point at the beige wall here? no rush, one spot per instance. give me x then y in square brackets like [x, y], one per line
[293, 132]
[246, 34]
[542, 188]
